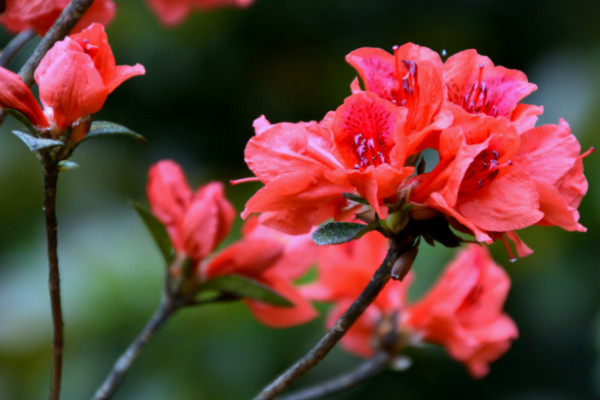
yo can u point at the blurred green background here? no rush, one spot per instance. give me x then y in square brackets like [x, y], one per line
[206, 81]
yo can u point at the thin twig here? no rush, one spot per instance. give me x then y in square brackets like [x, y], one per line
[50, 180]
[364, 371]
[69, 17]
[16, 44]
[166, 309]
[314, 356]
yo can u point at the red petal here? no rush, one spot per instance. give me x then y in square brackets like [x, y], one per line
[69, 83]
[16, 95]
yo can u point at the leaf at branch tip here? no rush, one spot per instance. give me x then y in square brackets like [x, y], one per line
[339, 232]
[19, 116]
[66, 165]
[107, 128]
[157, 231]
[241, 286]
[35, 144]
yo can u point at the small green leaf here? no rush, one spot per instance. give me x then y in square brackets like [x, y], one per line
[241, 286]
[355, 197]
[107, 128]
[66, 165]
[19, 116]
[339, 232]
[35, 144]
[157, 230]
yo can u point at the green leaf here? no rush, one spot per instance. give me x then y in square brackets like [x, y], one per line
[19, 116]
[241, 286]
[35, 144]
[355, 197]
[339, 232]
[107, 128]
[157, 231]
[66, 165]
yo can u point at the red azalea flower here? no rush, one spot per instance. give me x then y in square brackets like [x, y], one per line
[549, 155]
[307, 166]
[173, 12]
[476, 86]
[78, 73]
[273, 259]
[20, 15]
[477, 182]
[196, 222]
[412, 78]
[463, 311]
[74, 78]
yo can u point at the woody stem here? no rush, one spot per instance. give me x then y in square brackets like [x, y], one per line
[398, 246]
[15, 45]
[366, 370]
[50, 180]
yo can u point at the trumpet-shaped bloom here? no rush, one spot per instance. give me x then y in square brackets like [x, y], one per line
[411, 78]
[476, 86]
[273, 259]
[360, 148]
[196, 222]
[463, 311]
[549, 156]
[476, 181]
[20, 15]
[173, 12]
[78, 73]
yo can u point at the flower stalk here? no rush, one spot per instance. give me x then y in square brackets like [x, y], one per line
[50, 181]
[168, 307]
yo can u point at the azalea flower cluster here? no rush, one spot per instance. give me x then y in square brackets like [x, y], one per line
[463, 312]
[497, 173]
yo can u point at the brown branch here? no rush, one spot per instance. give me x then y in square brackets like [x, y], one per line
[167, 308]
[364, 371]
[50, 180]
[15, 45]
[398, 246]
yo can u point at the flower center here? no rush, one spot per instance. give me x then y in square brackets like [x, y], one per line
[483, 170]
[370, 150]
[476, 100]
[407, 93]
